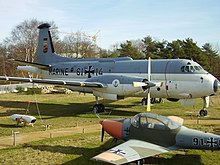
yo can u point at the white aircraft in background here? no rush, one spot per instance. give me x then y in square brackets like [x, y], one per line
[117, 78]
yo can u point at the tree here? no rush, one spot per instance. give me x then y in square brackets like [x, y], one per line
[2, 60]
[127, 49]
[213, 59]
[78, 45]
[22, 44]
[174, 49]
[150, 47]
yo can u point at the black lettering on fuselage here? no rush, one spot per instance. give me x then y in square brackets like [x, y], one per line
[58, 71]
[89, 71]
[80, 71]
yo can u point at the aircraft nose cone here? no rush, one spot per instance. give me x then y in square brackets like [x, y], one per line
[216, 85]
[112, 127]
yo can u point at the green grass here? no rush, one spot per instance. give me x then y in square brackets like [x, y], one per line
[61, 110]
[79, 149]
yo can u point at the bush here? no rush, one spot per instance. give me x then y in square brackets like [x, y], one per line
[32, 91]
[20, 89]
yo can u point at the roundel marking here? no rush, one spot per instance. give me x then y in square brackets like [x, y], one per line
[115, 82]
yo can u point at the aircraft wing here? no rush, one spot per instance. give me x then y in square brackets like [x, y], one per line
[54, 82]
[130, 151]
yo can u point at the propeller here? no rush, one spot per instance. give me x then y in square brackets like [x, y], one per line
[147, 83]
[148, 91]
[102, 136]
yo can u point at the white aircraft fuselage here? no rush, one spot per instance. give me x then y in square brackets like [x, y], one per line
[181, 78]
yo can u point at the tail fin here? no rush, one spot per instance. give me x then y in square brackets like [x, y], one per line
[45, 50]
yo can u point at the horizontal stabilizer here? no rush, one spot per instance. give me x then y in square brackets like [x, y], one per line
[40, 66]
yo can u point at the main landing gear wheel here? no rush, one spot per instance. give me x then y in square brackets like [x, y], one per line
[98, 108]
[152, 100]
[140, 162]
[203, 112]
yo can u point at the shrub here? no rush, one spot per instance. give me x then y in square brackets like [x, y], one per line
[20, 89]
[32, 91]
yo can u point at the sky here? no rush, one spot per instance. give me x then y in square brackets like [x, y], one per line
[120, 20]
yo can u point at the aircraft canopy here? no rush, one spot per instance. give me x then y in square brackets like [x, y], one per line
[153, 121]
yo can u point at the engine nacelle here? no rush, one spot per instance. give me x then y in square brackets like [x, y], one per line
[117, 85]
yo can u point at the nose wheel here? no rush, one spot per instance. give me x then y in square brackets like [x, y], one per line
[152, 100]
[203, 112]
[98, 108]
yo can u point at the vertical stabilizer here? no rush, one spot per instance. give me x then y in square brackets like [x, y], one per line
[45, 50]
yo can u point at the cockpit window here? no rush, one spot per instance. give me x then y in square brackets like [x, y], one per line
[186, 68]
[190, 68]
[153, 121]
[196, 67]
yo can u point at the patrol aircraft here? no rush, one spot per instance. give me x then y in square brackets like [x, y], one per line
[117, 78]
[148, 134]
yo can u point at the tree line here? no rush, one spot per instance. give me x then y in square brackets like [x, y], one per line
[23, 40]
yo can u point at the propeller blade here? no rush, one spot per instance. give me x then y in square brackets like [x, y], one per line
[148, 91]
[148, 101]
[148, 84]
[149, 69]
[139, 84]
[103, 132]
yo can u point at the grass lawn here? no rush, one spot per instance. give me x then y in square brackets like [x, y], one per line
[63, 111]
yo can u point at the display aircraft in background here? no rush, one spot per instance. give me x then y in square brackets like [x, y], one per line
[117, 78]
[148, 134]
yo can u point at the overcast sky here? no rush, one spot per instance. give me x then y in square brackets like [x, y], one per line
[120, 20]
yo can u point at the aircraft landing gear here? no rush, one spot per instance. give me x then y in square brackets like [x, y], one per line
[98, 108]
[140, 162]
[152, 100]
[203, 112]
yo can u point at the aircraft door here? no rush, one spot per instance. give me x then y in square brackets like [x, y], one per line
[171, 86]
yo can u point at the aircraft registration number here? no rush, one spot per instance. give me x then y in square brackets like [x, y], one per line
[80, 71]
[210, 142]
